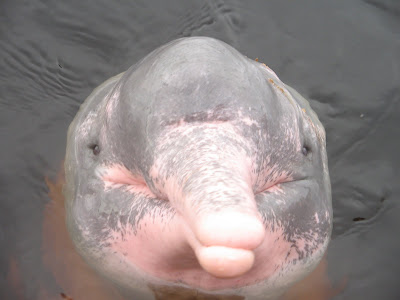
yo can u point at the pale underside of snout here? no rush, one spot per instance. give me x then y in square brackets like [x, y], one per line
[228, 249]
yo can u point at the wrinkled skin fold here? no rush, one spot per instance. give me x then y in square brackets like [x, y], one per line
[198, 168]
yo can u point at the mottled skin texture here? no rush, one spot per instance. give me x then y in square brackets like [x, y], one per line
[198, 169]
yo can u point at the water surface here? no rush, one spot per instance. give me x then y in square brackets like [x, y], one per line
[342, 55]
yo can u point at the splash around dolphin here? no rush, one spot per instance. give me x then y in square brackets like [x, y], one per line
[198, 168]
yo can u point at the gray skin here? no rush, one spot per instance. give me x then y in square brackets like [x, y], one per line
[133, 120]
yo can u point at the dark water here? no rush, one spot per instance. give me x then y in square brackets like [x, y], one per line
[342, 55]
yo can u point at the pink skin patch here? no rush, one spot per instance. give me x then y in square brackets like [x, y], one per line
[116, 176]
[162, 250]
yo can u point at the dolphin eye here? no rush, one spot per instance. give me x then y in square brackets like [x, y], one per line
[95, 148]
[305, 150]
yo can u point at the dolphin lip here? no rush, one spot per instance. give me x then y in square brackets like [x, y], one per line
[225, 262]
[234, 229]
[225, 242]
